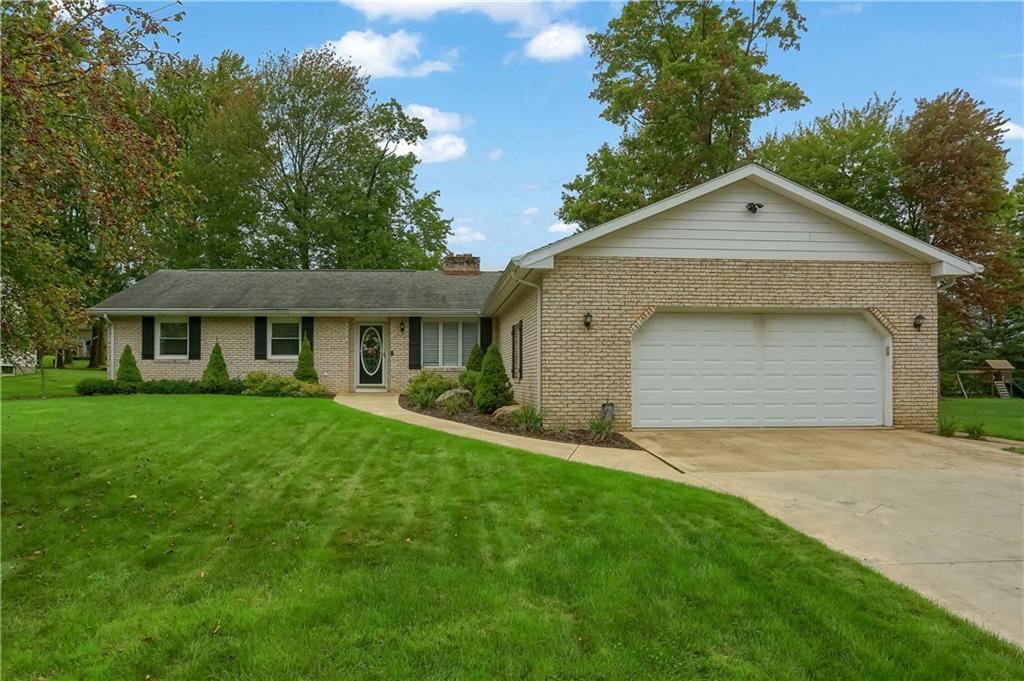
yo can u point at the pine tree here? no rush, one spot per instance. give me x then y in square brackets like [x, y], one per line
[216, 372]
[306, 371]
[127, 369]
[494, 389]
[476, 358]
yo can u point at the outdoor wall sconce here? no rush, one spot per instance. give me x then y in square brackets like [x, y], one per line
[588, 319]
[919, 321]
[401, 326]
[752, 207]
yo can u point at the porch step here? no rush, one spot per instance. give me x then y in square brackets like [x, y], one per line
[1002, 390]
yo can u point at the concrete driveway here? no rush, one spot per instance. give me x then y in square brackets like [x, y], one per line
[943, 516]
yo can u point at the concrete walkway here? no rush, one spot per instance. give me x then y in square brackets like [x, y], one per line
[631, 460]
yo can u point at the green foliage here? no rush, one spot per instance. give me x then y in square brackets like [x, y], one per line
[216, 371]
[270, 385]
[469, 378]
[948, 426]
[493, 389]
[975, 430]
[528, 418]
[683, 81]
[127, 369]
[476, 358]
[426, 386]
[457, 404]
[306, 369]
[600, 429]
[102, 386]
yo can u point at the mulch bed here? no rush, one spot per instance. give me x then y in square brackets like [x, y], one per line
[476, 418]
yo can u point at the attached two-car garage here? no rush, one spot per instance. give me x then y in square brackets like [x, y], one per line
[709, 369]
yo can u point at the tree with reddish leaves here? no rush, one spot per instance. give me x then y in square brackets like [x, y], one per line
[953, 178]
[86, 178]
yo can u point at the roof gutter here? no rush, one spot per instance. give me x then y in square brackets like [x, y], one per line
[250, 312]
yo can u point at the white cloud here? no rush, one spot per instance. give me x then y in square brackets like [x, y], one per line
[563, 228]
[495, 155]
[466, 235]
[388, 56]
[528, 16]
[849, 8]
[558, 41]
[1013, 131]
[532, 210]
[436, 149]
[436, 120]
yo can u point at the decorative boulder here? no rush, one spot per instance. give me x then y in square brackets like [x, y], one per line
[449, 394]
[506, 411]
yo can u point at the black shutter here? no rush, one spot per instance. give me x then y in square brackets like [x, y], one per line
[195, 339]
[486, 333]
[415, 354]
[148, 329]
[261, 338]
[307, 330]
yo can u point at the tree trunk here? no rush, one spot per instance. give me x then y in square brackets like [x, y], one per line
[96, 353]
[58, 359]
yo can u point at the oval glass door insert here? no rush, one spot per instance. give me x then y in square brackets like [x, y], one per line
[369, 351]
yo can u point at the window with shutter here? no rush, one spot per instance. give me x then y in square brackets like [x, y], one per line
[431, 333]
[448, 343]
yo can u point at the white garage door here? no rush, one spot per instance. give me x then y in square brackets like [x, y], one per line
[706, 370]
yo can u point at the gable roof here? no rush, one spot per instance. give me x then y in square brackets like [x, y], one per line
[943, 264]
[262, 292]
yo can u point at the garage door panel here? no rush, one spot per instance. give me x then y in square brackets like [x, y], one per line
[706, 370]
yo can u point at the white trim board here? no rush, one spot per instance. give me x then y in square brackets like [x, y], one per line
[943, 264]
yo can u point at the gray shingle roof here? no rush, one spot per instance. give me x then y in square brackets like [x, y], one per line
[236, 291]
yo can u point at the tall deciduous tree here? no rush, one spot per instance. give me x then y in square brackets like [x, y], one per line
[86, 178]
[684, 81]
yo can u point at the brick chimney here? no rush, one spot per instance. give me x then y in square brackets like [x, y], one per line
[460, 263]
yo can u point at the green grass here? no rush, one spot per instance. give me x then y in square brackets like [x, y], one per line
[213, 537]
[59, 382]
[1001, 418]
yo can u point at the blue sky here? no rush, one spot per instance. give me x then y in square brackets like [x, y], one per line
[504, 86]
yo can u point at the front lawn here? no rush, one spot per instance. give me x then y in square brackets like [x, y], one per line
[59, 382]
[215, 537]
[1001, 418]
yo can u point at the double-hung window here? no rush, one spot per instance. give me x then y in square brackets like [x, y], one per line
[448, 343]
[172, 337]
[284, 337]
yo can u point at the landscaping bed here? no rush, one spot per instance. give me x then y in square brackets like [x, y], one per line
[474, 417]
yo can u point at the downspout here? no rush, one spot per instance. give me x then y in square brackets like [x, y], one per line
[110, 344]
[540, 310]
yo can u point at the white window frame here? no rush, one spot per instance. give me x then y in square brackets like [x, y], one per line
[160, 321]
[270, 336]
[440, 342]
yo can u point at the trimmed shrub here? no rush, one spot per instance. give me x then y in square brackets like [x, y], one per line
[493, 390]
[167, 386]
[306, 371]
[457, 404]
[528, 418]
[216, 371]
[426, 386]
[469, 379]
[127, 369]
[268, 385]
[98, 386]
[476, 358]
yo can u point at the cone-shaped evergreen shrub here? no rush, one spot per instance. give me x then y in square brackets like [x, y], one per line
[216, 371]
[127, 369]
[306, 371]
[476, 359]
[493, 390]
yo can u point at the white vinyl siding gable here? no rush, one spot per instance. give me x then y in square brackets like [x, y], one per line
[719, 226]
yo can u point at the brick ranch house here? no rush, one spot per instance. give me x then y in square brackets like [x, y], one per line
[746, 301]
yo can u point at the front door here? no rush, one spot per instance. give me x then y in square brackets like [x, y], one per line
[370, 354]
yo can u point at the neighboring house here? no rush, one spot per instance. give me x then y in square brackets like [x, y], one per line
[17, 364]
[746, 301]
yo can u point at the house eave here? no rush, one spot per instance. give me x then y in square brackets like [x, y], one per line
[284, 312]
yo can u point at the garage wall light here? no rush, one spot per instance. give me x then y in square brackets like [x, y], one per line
[752, 206]
[919, 321]
[588, 319]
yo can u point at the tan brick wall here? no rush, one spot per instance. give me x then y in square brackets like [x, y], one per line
[583, 369]
[331, 341]
[521, 306]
